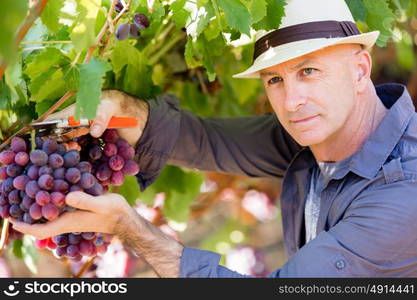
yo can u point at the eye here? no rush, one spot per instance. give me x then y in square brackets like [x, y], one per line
[308, 71]
[274, 80]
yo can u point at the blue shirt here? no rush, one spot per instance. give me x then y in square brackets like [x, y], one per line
[367, 223]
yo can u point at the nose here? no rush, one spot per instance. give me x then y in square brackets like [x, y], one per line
[295, 97]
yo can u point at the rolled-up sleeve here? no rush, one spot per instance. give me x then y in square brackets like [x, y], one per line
[256, 146]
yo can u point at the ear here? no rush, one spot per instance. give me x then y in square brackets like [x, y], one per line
[362, 72]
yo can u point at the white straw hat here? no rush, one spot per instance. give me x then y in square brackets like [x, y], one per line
[308, 25]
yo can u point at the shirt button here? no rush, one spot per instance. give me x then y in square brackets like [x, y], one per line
[340, 264]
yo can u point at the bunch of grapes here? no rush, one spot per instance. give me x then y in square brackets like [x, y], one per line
[140, 21]
[35, 183]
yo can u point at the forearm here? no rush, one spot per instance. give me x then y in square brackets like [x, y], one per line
[160, 251]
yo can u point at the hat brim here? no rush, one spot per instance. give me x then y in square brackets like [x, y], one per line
[283, 53]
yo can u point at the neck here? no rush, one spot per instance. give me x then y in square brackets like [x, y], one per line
[362, 122]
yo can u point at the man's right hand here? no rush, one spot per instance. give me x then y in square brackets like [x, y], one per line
[117, 104]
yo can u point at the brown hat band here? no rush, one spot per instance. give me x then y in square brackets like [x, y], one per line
[305, 31]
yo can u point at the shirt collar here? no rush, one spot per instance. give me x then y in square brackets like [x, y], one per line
[368, 160]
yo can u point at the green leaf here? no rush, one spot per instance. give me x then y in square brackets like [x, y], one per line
[83, 34]
[13, 77]
[257, 9]
[130, 190]
[43, 61]
[30, 253]
[237, 15]
[48, 85]
[358, 9]
[274, 13]
[191, 56]
[212, 31]
[137, 76]
[379, 17]
[12, 13]
[89, 89]
[51, 14]
[17, 248]
[405, 52]
[201, 15]
[180, 15]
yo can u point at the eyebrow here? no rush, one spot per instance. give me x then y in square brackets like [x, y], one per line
[296, 67]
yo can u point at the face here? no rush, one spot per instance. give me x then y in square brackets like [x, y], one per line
[314, 95]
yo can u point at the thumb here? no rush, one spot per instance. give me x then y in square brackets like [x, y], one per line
[104, 113]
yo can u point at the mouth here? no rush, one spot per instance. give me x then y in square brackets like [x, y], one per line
[304, 120]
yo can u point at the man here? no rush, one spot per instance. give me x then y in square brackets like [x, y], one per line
[347, 151]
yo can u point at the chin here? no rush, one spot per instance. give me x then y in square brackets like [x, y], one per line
[307, 139]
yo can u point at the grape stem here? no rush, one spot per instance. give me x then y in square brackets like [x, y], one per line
[4, 235]
[35, 11]
[85, 267]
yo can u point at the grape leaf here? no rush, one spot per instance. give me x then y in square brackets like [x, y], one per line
[89, 89]
[237, 15]
[48, 85]
[379, 17]
[257, 9]
[51, 15]
[43, 61]
[130, 190]
[274, 13]
[200, 16]
[30, 253]
[12, 13]
[358, 9]
[83, 34]
[180, 15]
[17, 248]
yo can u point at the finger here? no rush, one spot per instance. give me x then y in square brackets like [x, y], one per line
[65, 113]
[105, 111]
[100, 204]
[76, 221]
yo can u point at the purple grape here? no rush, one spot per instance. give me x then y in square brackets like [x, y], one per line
[3, 200]
[88, 235]
[84, 166]
[26, 203]
[45, 170]
[56, 160]
[110, 149]
[38, 142]
[14, 170]
[58, 199]
[99, 241]
[50, 212]
[122, 31]
[76, 188]
[14, 197]
[27, 218]
[61, 150]
[39, 158]
[42, 198]
[33, 172]
[60, 240]
[72, 251]
[86, 248]
[95, 190]
[7, 185]
[127, 152]
[116, 163]
[119, 6]
[35, 211]
[103, 172]
[3, 173]
[7, 157]
[59, 173]
[4, 211]
[71, 158]
[117, 178]
[95, 152]
[60, 252]
[73, 175]
[32, 188]
[46, 182]
[110, 136]
[15, 211]
[87, 180]
[74, 239]
[130, 168]
[141, 21]
[60, 186]
[120, 143]
[22, 158]
[134, 31]
[49, 146]
[20, 182]
[18, 144]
